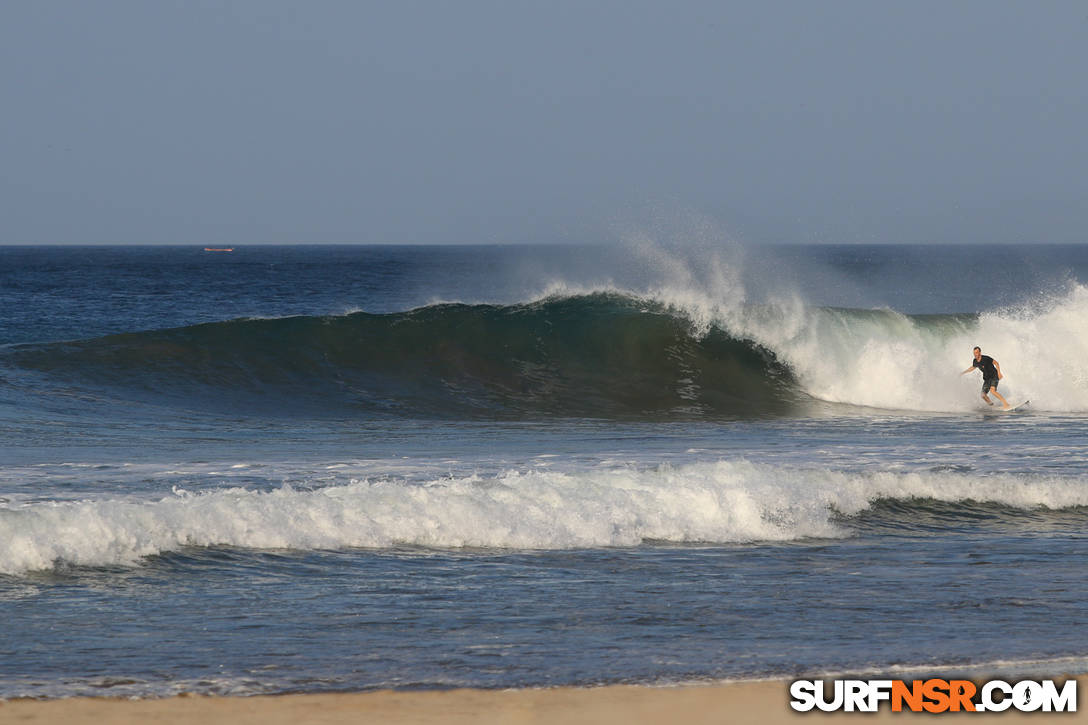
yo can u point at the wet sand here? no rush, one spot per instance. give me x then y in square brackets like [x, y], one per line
[761, 702]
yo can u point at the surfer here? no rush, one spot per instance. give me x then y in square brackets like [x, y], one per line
[991, 373]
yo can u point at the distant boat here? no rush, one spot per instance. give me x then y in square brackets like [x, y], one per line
[218, 249]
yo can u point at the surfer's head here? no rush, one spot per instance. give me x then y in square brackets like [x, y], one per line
[977, 351]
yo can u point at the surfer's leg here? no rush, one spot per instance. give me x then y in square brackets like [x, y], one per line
[990, 386]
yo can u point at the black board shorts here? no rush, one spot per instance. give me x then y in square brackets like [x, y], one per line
[988, 383]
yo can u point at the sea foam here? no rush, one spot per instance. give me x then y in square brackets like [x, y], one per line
[722, 502]
[886, 359]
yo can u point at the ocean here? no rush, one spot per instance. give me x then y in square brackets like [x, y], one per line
[330, 468]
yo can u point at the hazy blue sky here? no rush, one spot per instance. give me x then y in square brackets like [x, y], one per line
[269, 121]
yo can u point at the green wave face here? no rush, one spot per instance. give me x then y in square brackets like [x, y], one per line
[600, 355]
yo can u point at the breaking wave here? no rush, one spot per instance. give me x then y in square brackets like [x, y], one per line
[722, 502]
[606, 354]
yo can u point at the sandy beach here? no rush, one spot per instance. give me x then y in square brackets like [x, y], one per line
[765, 702]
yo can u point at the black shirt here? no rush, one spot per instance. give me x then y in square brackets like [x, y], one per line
[986, 363]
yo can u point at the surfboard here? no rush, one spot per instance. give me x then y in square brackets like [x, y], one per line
[1011, 408]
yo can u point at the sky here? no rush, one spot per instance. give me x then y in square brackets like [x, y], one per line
[844, 121]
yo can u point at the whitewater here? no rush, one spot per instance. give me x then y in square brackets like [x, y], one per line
[722, 502]
[327, 468]
[885, 359]
[602, 352]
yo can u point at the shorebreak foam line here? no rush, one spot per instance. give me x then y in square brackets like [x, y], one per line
[727, 501]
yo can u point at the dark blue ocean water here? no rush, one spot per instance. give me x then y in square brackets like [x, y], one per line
[325, 468]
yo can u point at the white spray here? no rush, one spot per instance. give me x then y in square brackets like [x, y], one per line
[877, 358]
